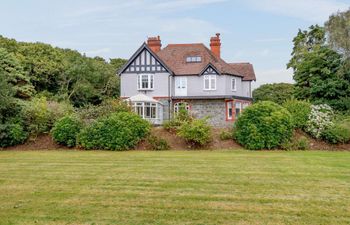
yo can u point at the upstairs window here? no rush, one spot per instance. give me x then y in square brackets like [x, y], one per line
[191, 59]
[145, 82]
[233, 84]
[209, 82]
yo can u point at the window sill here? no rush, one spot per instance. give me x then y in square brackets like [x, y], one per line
[145, 89]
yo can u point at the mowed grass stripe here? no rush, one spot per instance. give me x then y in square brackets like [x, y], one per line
[175, 187]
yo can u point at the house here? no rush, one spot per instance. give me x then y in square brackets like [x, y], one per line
[158, 81]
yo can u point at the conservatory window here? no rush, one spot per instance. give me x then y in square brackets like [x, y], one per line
[145, 110]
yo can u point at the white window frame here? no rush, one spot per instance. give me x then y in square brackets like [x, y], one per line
[145, 105]
[150, 81]
[233, 87]
[211, 79]
[190, 59]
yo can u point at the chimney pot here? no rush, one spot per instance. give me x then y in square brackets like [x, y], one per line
[215, 45]
[154, 43]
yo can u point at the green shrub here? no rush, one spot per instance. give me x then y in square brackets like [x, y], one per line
[301, 143]
[119, 131]
[40, 115]
[12, 134]
[300, 111]
[91, 113]
[172, 125]
[157, 143]
[180, 118]
[196, 132]
[65, 131]
[58, 110]
[225, 135]
[263, 125]
[339, 133]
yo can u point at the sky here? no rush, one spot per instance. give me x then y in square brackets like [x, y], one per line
[255, 31]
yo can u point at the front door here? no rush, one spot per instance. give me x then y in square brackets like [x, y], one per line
[180, 86]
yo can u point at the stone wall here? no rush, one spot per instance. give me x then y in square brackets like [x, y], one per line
[214, 109]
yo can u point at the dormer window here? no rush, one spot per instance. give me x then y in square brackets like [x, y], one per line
[191, 59]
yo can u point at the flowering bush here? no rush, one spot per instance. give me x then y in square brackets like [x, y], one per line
[320, 119]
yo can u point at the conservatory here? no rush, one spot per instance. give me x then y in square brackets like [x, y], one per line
[147, 108]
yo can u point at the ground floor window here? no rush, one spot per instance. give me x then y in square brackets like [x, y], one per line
[238, 109]
[234, 108]
[229, 111]
[179, 105]
[146, 110]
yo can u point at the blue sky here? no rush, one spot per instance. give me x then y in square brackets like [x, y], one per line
[256, 31]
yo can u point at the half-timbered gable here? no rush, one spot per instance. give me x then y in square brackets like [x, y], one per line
[209, 70]
[144, 61]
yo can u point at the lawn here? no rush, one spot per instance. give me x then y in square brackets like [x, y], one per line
[174, 187]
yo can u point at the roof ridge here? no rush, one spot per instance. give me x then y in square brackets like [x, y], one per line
[184, 44]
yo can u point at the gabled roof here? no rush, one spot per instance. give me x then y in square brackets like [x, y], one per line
[207, 67]
[174, 55]
[246, 69]
[136, 54]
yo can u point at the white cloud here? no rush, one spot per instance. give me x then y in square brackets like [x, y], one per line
[273, 76]
[309, 10]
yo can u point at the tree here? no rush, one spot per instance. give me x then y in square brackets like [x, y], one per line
[13, 84]
[65, 74]
[13, 74]
[338, 32]
[318, 70]
[117, 63]
[278, 92]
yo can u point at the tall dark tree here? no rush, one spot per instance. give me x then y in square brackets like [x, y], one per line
[318, 70]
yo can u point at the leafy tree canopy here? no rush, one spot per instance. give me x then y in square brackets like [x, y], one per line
[277, 92]
[65, 74]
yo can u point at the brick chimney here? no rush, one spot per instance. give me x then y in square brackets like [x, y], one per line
[215, 44]
[154, 43]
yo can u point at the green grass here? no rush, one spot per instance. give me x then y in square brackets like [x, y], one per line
[174, 187]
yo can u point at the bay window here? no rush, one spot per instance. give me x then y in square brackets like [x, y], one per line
[209, 82]
[145, 82]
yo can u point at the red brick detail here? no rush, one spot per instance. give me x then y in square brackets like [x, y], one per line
[215, 45]
[154, 43]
